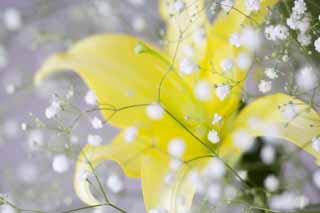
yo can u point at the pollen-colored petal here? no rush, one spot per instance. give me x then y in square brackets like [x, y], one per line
[125, 82]
[165, 189]
[186, 34]
[221, 50]
[279, 116]
[126, 153]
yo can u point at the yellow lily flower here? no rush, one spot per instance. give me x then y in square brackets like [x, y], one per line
[165, 115]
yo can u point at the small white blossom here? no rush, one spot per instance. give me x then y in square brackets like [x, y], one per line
[213, 136]
[130, 134]
[215, 168]
[271, 73]
[60, 163]
[271, 183]
[316, 178]
[316, 144]
[226, 5]
[176, 147]
[244, 61]
[91, 98]
[265, 86]
[290, 111]
[227, 64]
[278, 32]
[304, 39]
[115, 184]
[203, 90]
[317, 45]
[222, 91]
[94, 140]
[288, 201]
[188, 66]
[243, 140]
[234, 40]
[250, 38]
[35, 140]
[138, 23]
[12, 19]
[155, 111]
[214, 193]
[179, 6]
[268, 154]
[54, 108]
[252, 5]
[96, 123]
[306, 78]
[216, 118]
[200, 36]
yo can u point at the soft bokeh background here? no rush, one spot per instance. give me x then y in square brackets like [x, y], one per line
[36, 29]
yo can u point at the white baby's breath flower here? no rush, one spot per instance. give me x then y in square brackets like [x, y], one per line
[306, 78]
[290, 111]
[244, 61]
[222, 91]
[271, 183]
[215, 169]
[271, 73]
[94, 140]
[214, 193]
[176, 147]
[268, 154]
[155, 111]
[226, 5]
[317, 45]
[130, 134]
[91, 98]
[60, 163]
[179, 6]
[138, 23]
[265, 86]
[96, 123]
[12, 19]
[226, 64]
[243, 140]
[252, 5]
[216, 118]
[115, 183]
[200, 36]
[203, 90]
[188, 66]
[235, 40]
[316, 144]
[213, 136]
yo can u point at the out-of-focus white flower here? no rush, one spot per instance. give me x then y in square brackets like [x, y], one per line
[214, 193]
[268, 154]
[94, 140]
[226, 5]
[96, 123]
[203, 90]
[12, 19]
[213, 136]
[265, 86]
[115, 183]
[316, 144]
[243, 140]
[271, 183]
[216, 118]
[91, 98]
[317, 45]
[35, 140]
[215, 169]
[54, 108]
[235, 40]
[60, 163]
[244, 61]
[155, 111]
[222, 91]
[130, 134]
[227, 64]
[252, 5]
[176, 147]
[288, 201]
[138, 23]
[271, 73]
[200, 36]
[188, 66]
[179, 6]
[250, 38]
[306, 78]
[290, 111]
[316, 178]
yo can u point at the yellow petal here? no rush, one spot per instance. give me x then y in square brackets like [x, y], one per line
[125, 82]
[186, 33]
[280, 116]
[127, 155]
[166, 189]
[220, 49]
